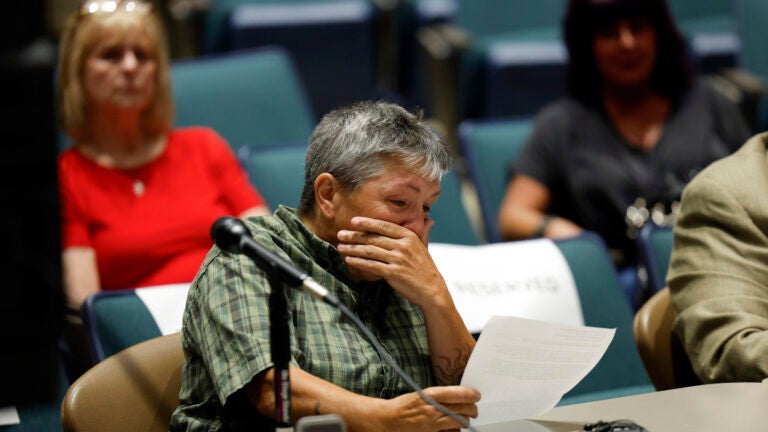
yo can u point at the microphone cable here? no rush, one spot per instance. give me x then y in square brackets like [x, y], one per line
[400, 372]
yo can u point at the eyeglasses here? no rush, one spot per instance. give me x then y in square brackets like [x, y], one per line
[91, 7]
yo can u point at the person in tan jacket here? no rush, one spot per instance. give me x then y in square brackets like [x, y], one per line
[718, 273]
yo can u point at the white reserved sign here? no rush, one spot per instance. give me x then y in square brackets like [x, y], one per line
[166, 304]
[527, 279]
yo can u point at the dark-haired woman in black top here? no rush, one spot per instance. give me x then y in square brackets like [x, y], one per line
[635, 127]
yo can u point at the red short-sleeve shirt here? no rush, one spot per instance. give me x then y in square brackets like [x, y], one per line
[151, 225]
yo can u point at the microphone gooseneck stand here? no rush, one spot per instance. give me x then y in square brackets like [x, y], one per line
[231, 234]
[280, 350]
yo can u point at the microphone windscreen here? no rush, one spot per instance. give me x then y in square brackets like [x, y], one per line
[227, 233]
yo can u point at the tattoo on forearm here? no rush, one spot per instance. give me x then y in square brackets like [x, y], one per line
[449, 370]
[317, 408]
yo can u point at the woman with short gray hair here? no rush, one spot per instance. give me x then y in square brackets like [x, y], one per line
[373, 170]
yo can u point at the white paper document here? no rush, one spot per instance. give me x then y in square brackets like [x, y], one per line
[523, 367]
[9, 416]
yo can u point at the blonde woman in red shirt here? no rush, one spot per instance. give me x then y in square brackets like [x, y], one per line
[138, 198]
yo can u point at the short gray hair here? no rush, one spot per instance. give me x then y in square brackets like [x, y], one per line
[354, 143]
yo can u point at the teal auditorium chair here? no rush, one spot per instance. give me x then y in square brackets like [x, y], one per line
[654, 246]
[251, 97]
[452, 222]
[333, 42]
[488, 147]
[217, 20]
[115, 320]
[44, 416]
[511, 61]
[277, 172]
[709, 27]
[751, 20]
[621, 371]
[515, 61]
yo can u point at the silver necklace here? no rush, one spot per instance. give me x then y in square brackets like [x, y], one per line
[138, 187]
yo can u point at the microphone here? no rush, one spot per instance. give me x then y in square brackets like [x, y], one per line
[231, 235]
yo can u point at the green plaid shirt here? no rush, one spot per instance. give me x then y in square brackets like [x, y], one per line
[225, 331]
